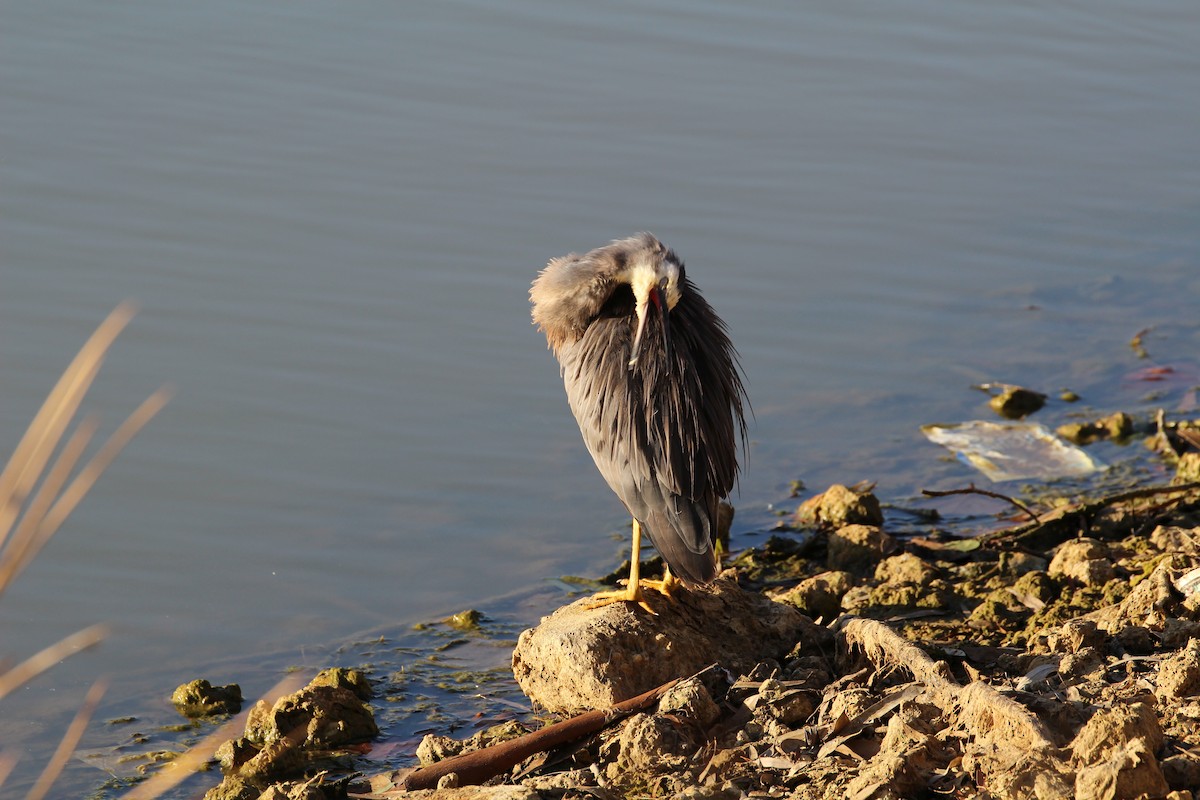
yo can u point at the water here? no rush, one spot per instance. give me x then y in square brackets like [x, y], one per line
[330, 215]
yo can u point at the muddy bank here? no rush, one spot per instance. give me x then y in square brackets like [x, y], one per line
[861, 650]
[1057, 657]
[972, 668]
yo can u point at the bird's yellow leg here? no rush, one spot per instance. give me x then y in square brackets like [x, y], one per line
[633, 592]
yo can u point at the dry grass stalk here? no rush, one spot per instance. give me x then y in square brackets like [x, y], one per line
[38, 493]
[7, 762]
[42, 436]
[38, 663]
[66, 746]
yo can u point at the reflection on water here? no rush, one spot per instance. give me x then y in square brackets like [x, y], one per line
[331, 219]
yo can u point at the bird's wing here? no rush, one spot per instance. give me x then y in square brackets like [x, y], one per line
[664, 435]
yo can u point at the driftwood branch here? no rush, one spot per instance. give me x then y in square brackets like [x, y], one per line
[479, 765]
[1007, 737]
[1060, 522]
[972, 489]
[1150, 491]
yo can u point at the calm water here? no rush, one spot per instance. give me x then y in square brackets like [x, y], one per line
[331, 213]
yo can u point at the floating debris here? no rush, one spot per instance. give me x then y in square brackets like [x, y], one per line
[1013, 450]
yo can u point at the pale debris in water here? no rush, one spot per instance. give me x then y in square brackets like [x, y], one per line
[1012, 451]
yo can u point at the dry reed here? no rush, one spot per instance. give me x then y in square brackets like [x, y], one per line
[40, 486]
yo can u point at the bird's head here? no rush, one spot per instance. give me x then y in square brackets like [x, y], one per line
[654, 276]
[639, 278]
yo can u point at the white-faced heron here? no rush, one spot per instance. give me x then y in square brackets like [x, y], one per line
[654, 384]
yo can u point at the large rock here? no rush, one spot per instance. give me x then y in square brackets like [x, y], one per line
[579, 659]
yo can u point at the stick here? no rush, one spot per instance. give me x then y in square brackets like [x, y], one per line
[972, 490]
[477, 766]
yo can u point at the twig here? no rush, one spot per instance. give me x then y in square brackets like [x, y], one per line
[973, 490]
[479, 765]
[1062, 516]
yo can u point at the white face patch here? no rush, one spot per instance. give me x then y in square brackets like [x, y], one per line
[645, 277]
[642, 276]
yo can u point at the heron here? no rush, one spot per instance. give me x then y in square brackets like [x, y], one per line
[655, 385]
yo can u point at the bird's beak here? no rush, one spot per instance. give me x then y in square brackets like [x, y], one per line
[653, 297]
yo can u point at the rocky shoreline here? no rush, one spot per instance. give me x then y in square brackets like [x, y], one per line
[1057, 657]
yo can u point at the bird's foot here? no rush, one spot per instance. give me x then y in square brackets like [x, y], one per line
[633, 594]
[665, 587]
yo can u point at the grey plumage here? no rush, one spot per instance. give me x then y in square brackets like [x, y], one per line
[661, 413]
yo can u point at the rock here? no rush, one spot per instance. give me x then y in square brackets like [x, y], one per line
[908, 754]
[649, 744]
[1015, 563]
[1076, 666]
[819, 597]
[786, 705]
[276, 760]
[857, 548]
[1114, 426]
[1114, 752]
[344, 678]
[691, 700]
[1074, 636]
[284, 739]
[434, 748]
[317, 716]
[233, 753]
[233, 788]
[1179, 673]
[1149, 602]
[1085, 561]
[905, 568]
[1015, 402]
[1174, 539]
[838, 506]
[1035, 589]
[468, 620]
[1181, 771]
[1188, 468]
[560, 783]
[201, 699]
[315, 789]
[1137, 640]
[578, 659]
